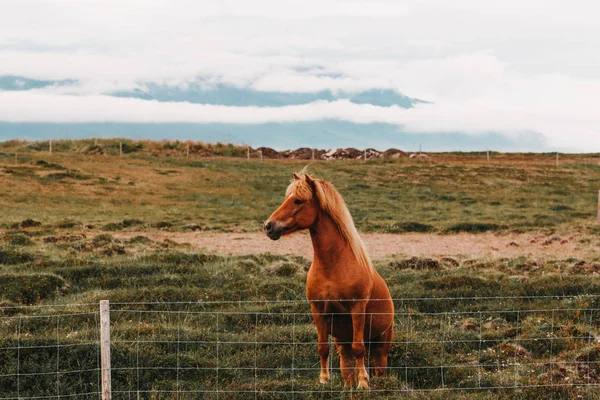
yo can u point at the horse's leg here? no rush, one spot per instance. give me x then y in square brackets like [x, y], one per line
[346, 363]
[323, 325]
[380, 350]
[358, 310]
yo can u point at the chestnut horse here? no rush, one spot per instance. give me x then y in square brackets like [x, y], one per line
[348, 298]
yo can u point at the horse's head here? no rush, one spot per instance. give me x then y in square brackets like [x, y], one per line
[298, 211]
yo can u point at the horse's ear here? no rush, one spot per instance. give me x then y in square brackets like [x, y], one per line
[309, 179]
[317, 187]
[296, 177]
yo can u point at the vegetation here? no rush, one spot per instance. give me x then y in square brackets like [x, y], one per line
[60, 253]
[161, 346]
[157, 186]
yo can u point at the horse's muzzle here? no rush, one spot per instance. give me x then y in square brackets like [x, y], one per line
[272, 230]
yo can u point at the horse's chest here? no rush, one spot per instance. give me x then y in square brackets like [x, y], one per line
[324, 287]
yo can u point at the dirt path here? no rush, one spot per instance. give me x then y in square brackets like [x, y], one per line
[382, 245]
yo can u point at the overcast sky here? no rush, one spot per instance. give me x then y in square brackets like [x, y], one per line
[504, 66]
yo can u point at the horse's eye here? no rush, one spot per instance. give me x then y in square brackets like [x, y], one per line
[298, 202]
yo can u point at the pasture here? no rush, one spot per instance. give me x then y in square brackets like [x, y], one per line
[158, 187]
[76, 228]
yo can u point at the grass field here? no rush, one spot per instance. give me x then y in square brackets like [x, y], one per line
[446, 193]
[58, 247]
[484, 343]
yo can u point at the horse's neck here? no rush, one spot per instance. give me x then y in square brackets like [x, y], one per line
[331, 251]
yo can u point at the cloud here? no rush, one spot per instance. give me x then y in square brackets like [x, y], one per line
[472, 117]
[506, 66]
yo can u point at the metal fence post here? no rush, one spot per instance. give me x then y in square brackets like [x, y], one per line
[105, 348]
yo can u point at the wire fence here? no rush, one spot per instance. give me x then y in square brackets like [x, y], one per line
[47, 355]
[268, 349]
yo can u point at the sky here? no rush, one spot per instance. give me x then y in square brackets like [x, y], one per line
[480, 66]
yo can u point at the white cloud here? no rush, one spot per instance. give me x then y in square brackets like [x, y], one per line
[472, 117]
[489, 66]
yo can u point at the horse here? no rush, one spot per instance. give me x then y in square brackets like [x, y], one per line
[348, 298]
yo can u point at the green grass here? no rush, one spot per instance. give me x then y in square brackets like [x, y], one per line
[492, 334]
[449, 193]
[58, 249]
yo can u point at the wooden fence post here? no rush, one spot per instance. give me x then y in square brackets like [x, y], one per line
[105, 349]
[50, 147]
[120, 149]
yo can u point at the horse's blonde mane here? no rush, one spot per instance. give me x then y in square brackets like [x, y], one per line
[332, 202]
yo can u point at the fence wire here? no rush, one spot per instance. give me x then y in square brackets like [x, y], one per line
[268, 350]
[49, 355]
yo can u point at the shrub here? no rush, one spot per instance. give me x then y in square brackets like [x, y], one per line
[132, 147]
[103, 239]
[140, 240]
[29, 289]
[163, 225]
[20, 240]
[10, 256]
[68, 223]
[401, 227]
[179, 258]
[30, 223]
[45, 164]
[417, 263]
[284, 268]
[474, 227]
[112, 226]
[131, 222]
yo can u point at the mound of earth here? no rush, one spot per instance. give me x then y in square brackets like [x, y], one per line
[268, 152]
[394, 153]
[304, 153]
